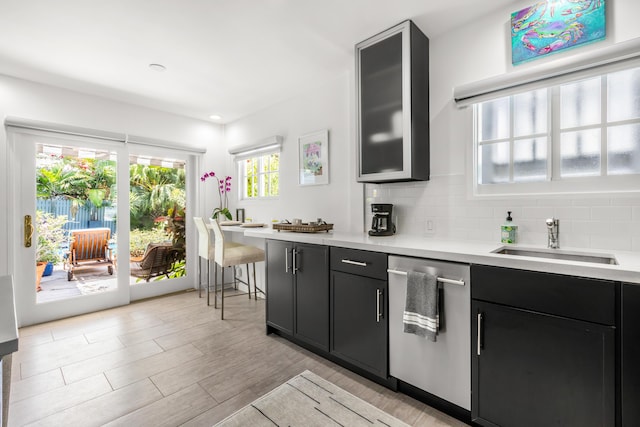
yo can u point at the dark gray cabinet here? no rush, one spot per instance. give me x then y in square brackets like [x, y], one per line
[543, 349]
[298, 291]
[630, 364]
[359, 307]
[392, 70]
[279, 285]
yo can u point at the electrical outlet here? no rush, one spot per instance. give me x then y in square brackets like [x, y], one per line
[430, 226]
[238, 271]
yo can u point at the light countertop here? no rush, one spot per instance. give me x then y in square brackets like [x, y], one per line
[8, 322]
[627, 270]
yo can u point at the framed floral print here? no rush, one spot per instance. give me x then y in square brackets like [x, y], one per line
[313, 158]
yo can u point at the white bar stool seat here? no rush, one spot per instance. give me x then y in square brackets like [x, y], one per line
[206, 250]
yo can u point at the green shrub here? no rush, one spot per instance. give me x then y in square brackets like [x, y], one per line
[51, 236]
[139, 239]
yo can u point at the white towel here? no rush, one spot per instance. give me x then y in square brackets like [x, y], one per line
[421, 314]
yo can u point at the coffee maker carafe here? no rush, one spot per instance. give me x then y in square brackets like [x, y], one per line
[382, 223]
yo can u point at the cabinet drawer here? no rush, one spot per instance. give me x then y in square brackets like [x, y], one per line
[362, 263]
[578, 298]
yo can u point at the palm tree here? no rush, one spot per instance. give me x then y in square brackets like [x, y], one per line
[153, 191]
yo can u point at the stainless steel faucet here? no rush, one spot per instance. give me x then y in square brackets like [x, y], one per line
[553, 233]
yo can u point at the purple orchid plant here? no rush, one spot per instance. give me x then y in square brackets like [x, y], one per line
[224, 187]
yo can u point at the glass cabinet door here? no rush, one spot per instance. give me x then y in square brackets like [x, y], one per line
[381, 106]
[392, 73]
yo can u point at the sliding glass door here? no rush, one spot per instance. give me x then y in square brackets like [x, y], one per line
[95, 223]
[158, 201]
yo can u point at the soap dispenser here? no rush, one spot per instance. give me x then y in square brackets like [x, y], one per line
[508, 230]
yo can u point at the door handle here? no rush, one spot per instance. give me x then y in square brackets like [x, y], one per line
[294, 256]
[286, 260]
[479, 338]
[378, 305]
[28, 231]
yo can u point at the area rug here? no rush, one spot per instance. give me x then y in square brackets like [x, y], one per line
[308, 400]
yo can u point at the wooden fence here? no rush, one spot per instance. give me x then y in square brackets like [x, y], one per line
[82, 217]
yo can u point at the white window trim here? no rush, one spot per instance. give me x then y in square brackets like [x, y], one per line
[587, 186]
[242, 177]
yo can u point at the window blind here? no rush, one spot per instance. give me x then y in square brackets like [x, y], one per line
[611, 58]
[63, 129]
[271, 144]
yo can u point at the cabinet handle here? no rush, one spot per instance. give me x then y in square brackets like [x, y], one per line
[294, 255]
[358, 263]
[479, 343]
[378, 305]
[286, 260]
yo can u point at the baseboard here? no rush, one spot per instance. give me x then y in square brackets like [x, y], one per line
[436, 402]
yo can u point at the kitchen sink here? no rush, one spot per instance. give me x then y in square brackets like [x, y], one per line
[558, 254]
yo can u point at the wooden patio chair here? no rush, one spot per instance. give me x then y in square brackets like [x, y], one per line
[90, 248]
[158, 259]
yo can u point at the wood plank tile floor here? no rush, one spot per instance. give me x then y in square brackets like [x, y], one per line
[170, 361]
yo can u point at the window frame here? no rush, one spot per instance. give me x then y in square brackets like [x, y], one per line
[555, 184]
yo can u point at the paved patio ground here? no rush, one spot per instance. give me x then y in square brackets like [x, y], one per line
[86, 281]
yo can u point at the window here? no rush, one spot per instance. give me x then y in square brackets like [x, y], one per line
[260, 176]
[561, 137]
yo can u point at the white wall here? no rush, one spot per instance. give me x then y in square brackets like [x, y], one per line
[20, 98]
[473, 52]
[329, 106]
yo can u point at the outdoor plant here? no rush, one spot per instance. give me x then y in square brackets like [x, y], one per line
[51, 236]
[154, 190]
[139, 239]
[83, 181]
[174, 226]
[224, 187]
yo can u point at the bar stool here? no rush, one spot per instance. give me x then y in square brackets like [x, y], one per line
[228, 254]
[205, 250]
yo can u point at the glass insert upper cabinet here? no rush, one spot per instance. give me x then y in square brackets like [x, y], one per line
[392, 72]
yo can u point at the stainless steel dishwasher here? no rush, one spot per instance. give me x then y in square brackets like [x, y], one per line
[442, 368]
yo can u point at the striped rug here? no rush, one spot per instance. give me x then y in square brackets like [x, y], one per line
[308, 400]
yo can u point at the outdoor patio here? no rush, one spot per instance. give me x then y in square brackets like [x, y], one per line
[86, 281]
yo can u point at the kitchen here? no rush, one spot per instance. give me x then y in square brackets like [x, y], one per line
[440, 208]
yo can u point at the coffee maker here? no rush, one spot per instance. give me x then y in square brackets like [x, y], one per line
[382, 223]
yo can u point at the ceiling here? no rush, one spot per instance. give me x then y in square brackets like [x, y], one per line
[226, 57]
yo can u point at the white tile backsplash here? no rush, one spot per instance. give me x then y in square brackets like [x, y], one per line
[611, 223]
[589, 201]
[621, 243]
[611, 213]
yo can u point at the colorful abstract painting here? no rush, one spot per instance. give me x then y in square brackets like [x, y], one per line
[554, 25]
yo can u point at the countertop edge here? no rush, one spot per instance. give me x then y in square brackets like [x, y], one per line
[464, 252]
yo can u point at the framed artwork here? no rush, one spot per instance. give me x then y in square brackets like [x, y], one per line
[551, 26]
[240, 214]
[313, 158]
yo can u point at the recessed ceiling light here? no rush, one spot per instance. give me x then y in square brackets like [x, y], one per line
[157, 67]
[215, 117]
